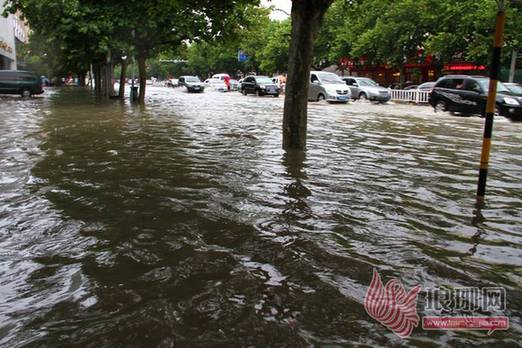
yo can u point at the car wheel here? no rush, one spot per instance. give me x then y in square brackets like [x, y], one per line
[498, 111]
[441, 106]
[321, 97]
[276, 95]
[243, 90]
[363, 97]
[259, 94]
[26, 93]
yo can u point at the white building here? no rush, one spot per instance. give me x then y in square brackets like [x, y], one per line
[7, 42]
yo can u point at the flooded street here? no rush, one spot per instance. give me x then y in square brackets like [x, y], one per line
[184, 223]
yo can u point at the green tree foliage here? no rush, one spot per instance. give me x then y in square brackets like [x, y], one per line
[391, 31]
[212, 56]
[88, 31]
[273, 54]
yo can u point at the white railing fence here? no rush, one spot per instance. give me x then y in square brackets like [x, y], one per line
[410, 96]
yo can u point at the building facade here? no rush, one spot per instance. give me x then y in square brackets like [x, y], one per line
[7, 42]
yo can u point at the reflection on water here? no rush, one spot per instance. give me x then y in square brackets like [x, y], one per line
[183, 223]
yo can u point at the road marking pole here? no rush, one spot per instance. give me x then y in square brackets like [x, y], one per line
[492, 101]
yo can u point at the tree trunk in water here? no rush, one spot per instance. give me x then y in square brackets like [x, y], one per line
[103, 80]
[97, 80]
[100, 80]
[513, 67]
[121, 92]
[307, 17]
[81, 78]
[143, 77]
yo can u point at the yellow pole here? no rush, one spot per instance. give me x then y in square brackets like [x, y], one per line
[492, 101]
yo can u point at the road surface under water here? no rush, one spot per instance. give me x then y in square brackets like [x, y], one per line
[184, 224]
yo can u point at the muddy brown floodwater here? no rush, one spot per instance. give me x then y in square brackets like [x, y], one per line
[184, 224]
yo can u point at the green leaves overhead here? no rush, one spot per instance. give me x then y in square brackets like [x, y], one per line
[84, 30]
[391, 31]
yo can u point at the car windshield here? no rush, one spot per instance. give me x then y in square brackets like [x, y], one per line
[484, 83]
[330, 78]
[367, 83]
[515, 88]
[264, 79]
[192, 79]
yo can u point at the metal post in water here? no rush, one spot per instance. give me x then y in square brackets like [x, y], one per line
[492, 101]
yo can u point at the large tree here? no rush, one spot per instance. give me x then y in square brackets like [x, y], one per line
[103, 31]
[307, 17]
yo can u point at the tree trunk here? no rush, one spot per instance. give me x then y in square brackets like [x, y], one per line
[513, 66]
[307, 17]
[103, 80]
[98, 80]
[142, 66]
[123, 74]
[110, 77]
[81, 78]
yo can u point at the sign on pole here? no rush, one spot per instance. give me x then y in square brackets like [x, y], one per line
[242, 56]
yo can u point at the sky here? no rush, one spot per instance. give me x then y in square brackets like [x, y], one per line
[285, 5]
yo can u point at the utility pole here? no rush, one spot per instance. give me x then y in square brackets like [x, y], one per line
[492, 101]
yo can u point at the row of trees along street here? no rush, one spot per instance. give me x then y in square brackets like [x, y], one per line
[208, 34]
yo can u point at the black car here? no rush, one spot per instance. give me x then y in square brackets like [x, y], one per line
[260, 85]
[193, 84]
[468, 95]
[20, 82]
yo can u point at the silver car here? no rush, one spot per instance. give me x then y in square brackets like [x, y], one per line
[327, 86]
[364, 88]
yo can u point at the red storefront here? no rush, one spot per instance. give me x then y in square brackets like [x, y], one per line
[417, 71]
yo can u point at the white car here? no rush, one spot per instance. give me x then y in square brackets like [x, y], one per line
[328, 86]
[216, 84]
[173, 83]
[221, 77]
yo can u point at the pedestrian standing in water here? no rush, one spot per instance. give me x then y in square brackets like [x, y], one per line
[227, 82]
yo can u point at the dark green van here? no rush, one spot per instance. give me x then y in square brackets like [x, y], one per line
[24, 83]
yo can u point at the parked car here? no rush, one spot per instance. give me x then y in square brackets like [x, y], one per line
[364, 88]
[234, 84]
[280, 81]
[327, 86]
[221, 77]
[173, 83]
[216, 84]
[260, 85]
[192, 83]
[468, 95]
[514, 88]
[426, 86]
[20, 82]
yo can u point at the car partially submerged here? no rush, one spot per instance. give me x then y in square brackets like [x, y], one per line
[24, 83]
[192, 83]
[468, 95]
[216, 85]
[327, 86]
[364, 88]
[260, 85]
